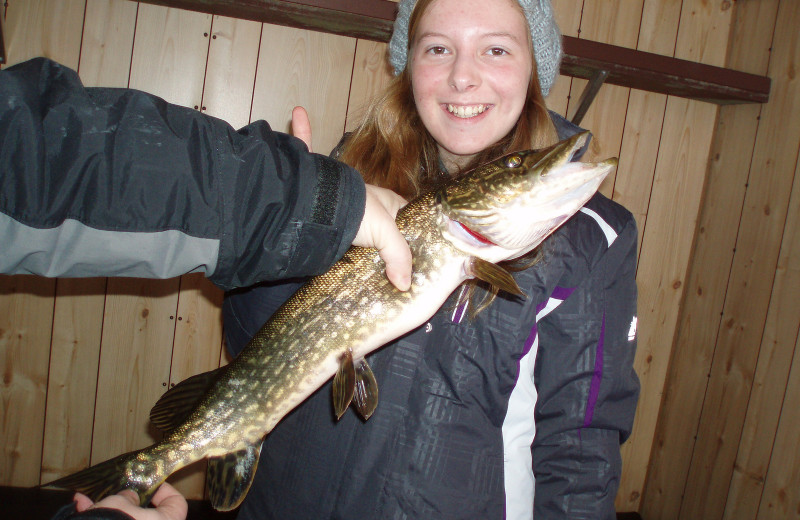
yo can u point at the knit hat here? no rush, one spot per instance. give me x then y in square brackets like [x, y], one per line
[545, 36]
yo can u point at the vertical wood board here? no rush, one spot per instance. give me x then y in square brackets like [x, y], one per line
[231, 71]
[26, 313]
[72, 376]
[107, 43]
[309, 69]
[105, 61]
[615, 22]
[669, 235]
[769, 418]
[781, 498]
[49, 28]
[31, 28]
[568, 18]
[752, 274]
[371, 74]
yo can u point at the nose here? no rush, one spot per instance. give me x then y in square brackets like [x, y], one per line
[465, 74]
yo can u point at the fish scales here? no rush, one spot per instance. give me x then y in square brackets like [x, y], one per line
[339, 317]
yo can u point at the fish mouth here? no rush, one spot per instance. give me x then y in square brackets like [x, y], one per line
[466, 111]
[531, 194]
[462, 231]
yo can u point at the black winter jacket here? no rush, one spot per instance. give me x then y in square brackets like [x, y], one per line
[518, 413]
[117, 182]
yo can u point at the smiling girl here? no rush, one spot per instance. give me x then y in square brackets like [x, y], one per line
[518, 412]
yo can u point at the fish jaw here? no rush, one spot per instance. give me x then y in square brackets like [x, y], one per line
[538, 191]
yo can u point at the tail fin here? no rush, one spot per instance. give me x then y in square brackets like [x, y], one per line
[111, 477]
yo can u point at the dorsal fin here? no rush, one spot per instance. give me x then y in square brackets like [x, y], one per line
[178, 402]
[494, 275]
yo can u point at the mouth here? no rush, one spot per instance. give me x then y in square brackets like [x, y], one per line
[468, 235]
[467, 111]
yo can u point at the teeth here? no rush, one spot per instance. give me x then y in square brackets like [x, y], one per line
[466, 111]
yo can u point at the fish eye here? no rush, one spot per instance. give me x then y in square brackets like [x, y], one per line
[513, 161]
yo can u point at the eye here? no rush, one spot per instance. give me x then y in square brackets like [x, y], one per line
[513, 161]
[497, 51]
[437, 49]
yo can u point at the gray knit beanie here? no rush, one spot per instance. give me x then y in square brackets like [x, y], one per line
[544, 34]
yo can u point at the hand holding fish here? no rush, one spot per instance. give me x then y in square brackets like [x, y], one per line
[378, 228]
[169, 504]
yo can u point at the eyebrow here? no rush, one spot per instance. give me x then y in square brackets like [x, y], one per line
[500, 34]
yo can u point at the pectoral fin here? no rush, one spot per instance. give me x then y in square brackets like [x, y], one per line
[344, 383]
[495, 275]
[230, 476]
[366, 392]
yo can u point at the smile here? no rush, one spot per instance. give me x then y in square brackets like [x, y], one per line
[466, 111]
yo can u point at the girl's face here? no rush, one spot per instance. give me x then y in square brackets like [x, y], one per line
[470, 65]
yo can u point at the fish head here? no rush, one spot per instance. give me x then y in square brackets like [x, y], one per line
[504, 209]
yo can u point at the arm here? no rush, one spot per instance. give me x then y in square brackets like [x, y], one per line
[587, 388]
[116, 182]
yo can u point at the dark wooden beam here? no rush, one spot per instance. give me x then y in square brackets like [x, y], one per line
[373, 20]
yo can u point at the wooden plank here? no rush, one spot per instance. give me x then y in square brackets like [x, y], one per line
[198, 340]
[645, 116]
[607, 21]
[374, 20]
[26, 313]
[229, 80]
[231, 71]
[292, 65]
[781, 499]
[32, 28]
[766, 464]
[668, 237]
[105, 60]
[43, 28]
[729, 167]
[72, 378]
[371, 75]
[107, 43]
[568, 18]
[751, 282]
[134, 363]
[169, 60]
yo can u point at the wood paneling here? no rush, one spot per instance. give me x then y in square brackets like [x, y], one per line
[715, 242]
[31, 28]
[292, 64]
[716, 199]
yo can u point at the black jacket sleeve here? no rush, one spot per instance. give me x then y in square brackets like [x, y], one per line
[117, 182]
[587, 387]
[69, 512]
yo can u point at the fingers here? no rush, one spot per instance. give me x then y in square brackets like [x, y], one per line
[301, 126]
[170, 502]
[82, 502]
[378, 230]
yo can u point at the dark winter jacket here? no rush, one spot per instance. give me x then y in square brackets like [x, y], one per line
[519, 411]
[117, 182]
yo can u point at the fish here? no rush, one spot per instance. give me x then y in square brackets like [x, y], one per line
[458, 230]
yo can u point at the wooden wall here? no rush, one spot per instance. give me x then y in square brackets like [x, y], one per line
[712, 189]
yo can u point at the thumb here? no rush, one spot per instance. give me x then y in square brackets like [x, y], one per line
[301, 126]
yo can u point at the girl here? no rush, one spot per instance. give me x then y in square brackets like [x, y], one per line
[520, 410]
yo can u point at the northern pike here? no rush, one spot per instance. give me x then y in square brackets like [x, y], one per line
[457, 231]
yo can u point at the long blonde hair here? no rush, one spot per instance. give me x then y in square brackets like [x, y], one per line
[393, 149]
